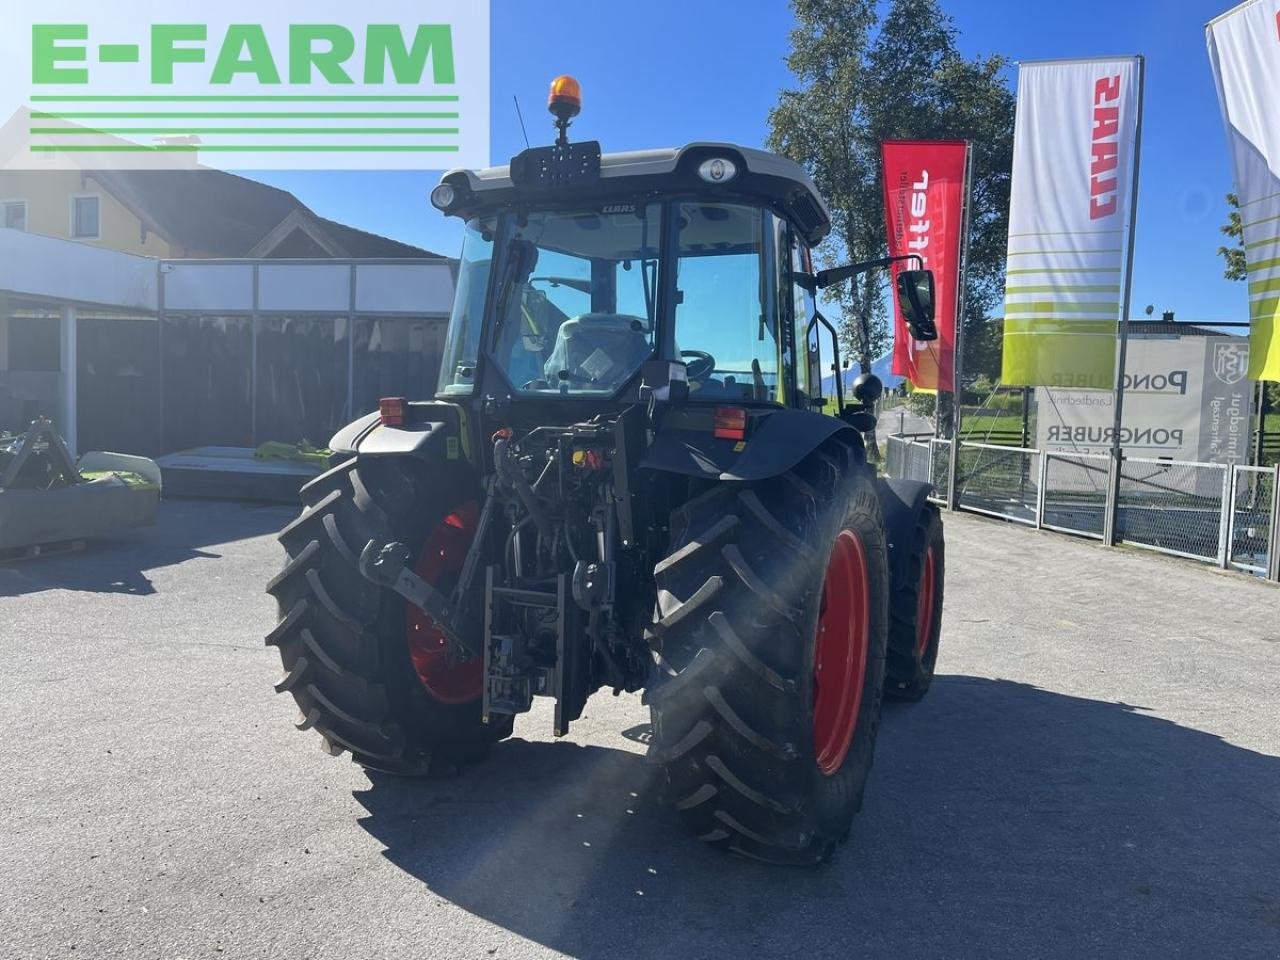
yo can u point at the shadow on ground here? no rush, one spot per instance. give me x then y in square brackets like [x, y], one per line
[1001, 820]
[183, 530]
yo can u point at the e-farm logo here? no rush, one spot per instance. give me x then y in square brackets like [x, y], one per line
[315, 49]
[403, 86]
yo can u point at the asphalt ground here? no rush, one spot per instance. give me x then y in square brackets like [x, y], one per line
[1096, 773]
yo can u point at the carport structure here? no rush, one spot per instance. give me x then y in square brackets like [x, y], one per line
[150, 356]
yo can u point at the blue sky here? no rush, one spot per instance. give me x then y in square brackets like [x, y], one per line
[663, 73]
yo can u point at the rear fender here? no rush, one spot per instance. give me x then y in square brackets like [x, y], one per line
[431, 432]
[901, 502]
[778, 439]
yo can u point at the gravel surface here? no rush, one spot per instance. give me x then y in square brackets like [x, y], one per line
[1095, 773]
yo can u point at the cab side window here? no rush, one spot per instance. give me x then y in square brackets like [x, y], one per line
[804, 308]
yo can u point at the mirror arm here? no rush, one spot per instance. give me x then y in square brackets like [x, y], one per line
[827, 278]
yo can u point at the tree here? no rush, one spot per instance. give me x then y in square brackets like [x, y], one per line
[1233, 228]
[862, 79]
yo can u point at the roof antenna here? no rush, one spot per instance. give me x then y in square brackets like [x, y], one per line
[520, 117]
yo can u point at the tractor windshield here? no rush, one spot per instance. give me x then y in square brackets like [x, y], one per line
[574, 309]
[565, 302]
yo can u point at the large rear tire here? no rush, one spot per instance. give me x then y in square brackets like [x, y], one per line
[770, 641]
[346, 643]
[915, 612]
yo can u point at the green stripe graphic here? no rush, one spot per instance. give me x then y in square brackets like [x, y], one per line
[1065, 288]
[1255, 223]
[1036, 253]
[183, 131]
[1263, 264]
[292, 115]
[1034, 307]
[242, 98]
[1068, 233]
[1014, 273]
[242, 148]
[1060, 325]
[118, 53]
[1264, 309]
[1270, 241]
[1264, 286]
[1270, 196]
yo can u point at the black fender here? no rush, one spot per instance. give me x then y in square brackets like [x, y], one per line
[777, 440]
[430, 432]
[901, 502]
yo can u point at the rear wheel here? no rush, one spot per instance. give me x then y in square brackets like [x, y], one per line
[371, 674]
[769, 638]
[915, 612]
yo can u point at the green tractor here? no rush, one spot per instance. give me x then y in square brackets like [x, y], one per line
[634, 476]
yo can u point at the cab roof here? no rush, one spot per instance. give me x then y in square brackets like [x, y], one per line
[761, 176]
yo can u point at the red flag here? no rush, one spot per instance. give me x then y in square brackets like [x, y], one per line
[924, 214]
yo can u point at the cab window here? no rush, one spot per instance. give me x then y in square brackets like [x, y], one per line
[575, 303]
[726, 317]
[808, 350]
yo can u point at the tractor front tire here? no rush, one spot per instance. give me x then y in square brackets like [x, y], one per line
[344, 641]
[915, 612]
[769, 640]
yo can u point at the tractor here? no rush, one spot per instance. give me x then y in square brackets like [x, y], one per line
[636, 474]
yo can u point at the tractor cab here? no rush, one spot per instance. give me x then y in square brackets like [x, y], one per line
[579, 267]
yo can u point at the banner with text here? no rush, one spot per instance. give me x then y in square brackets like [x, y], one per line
[1244, 51]
[241, 84]
[1074, 150]
[924, 206]
[1185, 398]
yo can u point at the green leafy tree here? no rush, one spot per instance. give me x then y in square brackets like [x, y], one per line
[1234, 228]
[1235, 269]
[861, 78]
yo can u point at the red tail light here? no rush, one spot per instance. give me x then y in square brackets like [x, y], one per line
[731, 423]
[391, 410]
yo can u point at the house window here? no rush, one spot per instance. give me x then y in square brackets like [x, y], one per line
[84, 218]
[15, 214]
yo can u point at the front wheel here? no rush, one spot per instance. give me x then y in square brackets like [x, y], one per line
[770, 642]
[915, 612]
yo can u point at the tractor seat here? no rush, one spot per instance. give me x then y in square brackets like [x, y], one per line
[603, 348]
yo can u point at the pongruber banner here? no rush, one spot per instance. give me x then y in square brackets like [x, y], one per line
[1074, 158]
[924, 204]
[1244, 50]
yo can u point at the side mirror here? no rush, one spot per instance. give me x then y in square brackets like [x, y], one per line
[915, 300]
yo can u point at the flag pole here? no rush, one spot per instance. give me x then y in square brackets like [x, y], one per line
[1117, 451]
[957, 360]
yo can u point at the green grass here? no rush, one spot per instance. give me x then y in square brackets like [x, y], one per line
[979, 426]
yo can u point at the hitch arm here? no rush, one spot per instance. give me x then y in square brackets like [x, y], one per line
[386, 564]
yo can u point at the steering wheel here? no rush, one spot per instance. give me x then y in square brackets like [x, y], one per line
[703, 365]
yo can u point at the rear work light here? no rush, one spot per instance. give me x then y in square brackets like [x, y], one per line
[731, 423]
[391, 410]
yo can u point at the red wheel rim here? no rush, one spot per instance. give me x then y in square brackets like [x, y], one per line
[446, 679]
[840, 657]
[924, 609]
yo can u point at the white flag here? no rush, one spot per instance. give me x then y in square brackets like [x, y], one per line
[1244, 50]
[1074, 145]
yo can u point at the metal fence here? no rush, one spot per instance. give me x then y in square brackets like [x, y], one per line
[1073, 493]
[1174, 506]
[940, 460]
[1210, 512]
[1000, 481]
[1253, 497]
